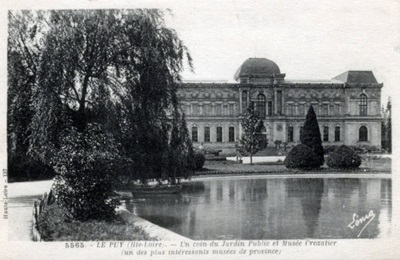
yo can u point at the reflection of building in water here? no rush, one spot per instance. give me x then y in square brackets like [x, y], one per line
[273, 209]
[277, 206]
[310, 192]
[352, 196]
[229, 209]
[347, 106]
[385, 216]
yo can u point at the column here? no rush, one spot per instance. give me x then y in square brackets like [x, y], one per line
[240, 102]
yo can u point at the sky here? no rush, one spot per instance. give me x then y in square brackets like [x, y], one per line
[307, 39]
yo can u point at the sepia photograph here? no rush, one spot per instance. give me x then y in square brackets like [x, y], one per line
[209, 130]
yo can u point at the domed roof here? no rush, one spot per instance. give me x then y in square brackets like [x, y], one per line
[257, 67]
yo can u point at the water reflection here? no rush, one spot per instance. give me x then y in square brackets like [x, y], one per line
[309, 192]
[263, 208]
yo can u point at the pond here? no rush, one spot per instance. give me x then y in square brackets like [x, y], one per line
[266, 208]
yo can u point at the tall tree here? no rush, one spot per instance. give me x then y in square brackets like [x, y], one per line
[311, 135]
[79, 53]
[387, 127]
[149, 99]
[25, 34]
[181, 155]
[252, 140]
[105, 81]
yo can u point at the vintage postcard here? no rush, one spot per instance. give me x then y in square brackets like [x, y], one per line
[207, 130]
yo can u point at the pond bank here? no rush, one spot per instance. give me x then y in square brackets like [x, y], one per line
[153, 230]
[361, 173]
[370, 166]
[298, 176]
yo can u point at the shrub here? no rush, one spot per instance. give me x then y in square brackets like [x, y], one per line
[206, 151]
[302, 156]
[199, 159]
[344, 157]
[311, 136]
[85, 168]
[363, 149]
[278, 143]
[328, 149]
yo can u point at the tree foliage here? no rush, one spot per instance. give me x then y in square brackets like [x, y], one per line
[115, 71]
[387, 127]
[85, 167]
[311, 135]
[252, 140]
[24, 47]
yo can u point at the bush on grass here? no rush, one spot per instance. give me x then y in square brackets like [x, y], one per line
[85, 168]
[344, 158]
[53, 225]
[328, 149]
[365, 149]
[199, 159]
[207, 151]
[302, 156]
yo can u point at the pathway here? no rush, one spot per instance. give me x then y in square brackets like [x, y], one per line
[20, 201]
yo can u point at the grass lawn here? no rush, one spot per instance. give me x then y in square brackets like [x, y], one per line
[376, 164]
[54, 226]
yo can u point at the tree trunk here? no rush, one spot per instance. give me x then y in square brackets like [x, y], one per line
[81, 119]
[251, 159]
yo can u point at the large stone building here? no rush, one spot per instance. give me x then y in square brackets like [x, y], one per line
[347, 106]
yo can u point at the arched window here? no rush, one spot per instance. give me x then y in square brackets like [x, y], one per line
[269, 108]
[231, 134]
[207, 134]
[219, 134]
[363, 134]
[261, 106]
[194, 134]
[263, 133]
[362, 104]
[290, 134]
[326, 134]
[337, 134]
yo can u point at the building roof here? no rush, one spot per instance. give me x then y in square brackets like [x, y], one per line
[257, 67]
[205, 81]
[357, 76]
[313, 81]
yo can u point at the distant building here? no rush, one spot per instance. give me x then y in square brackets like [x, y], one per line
[347, 106]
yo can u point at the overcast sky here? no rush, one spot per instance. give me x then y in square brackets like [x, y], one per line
[307, 39]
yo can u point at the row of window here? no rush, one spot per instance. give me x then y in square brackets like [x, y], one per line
[301, 109]
[261, 106]
[207, 134]
[324, 109]
[362, 134]
[210, 109]
[325, 137]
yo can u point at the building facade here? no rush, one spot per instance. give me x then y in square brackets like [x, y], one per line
[347, 106]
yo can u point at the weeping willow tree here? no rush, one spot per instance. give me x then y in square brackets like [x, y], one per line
[25, 34]
[102, 97]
